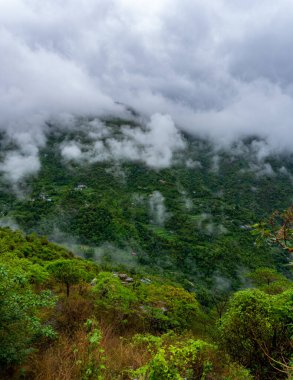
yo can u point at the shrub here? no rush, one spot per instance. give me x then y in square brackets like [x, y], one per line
[112, 298]
[19, 321]
[169, 307]
[255, 331]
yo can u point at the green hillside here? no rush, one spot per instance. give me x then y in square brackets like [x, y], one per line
[63, 317]
[189, 221]
[116, 269]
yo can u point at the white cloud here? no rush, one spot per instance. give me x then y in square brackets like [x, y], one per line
[193, 164]
[154, 144]
[219, 69]
[157, 208]
[16, 166]
[71, 152]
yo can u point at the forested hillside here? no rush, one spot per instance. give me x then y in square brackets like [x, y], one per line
[68, 318]
[190, 218]
[119, 266]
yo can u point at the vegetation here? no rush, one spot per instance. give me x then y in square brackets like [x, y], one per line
[191, 223]
[69, 272]
[19, 319]
[166, 280]
[112, 326]
[255, 330]
[278, 229]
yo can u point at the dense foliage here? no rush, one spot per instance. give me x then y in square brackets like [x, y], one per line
[112, 326]
[166, 280]
[19, 321]
[190, 221]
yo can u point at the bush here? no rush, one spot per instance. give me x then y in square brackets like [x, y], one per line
[168, 307]
[19, 321]
[112, 298]
[255, 331]
[177, 357]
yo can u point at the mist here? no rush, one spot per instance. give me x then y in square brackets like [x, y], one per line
[217, 69]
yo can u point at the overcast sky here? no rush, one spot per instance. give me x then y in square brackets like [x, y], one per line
[221, 68]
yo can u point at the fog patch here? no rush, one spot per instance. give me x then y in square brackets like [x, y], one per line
[118, 173]
[23, 159]
[187, 203]
[284, 171]
[193, 164]
[221, 283]
[109, 254]
[215, 164]
[71, 151]
[138, 199]
[154, 143]
[17, 166]
[207, 226]
[157, 208]
[7, 221]
[186, 200]
[260, 169]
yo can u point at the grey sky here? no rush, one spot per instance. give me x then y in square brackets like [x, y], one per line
[221, 68]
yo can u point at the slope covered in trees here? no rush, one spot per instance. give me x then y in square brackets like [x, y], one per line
[113, 326]
[156, 274]
[189, 220]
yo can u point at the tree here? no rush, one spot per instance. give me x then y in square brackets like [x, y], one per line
[177, 357]
[114, 298]
[19, 321]
[35, 273]
[68, 272]
[169, 307]
[255, 331]
[269, 280]
[265, 276]
[278, 229]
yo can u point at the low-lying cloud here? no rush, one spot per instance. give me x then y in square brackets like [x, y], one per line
[154, 144]
[218, 69]
[158, 210]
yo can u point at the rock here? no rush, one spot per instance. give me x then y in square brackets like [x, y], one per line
[129, 279]
[122, 276]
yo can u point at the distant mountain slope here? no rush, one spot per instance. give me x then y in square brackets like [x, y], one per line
[190, 218]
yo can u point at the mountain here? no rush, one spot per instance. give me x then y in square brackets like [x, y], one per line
[185, 213]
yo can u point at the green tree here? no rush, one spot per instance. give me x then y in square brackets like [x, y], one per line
[174, 357]
[35, 273]
[169, 307]
[278, 229]
[19, 321]
[255, 331]
[112, 297]
[269, 280]
[265, 276]
[68, 272]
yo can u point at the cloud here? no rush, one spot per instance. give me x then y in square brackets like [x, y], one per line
[23, 160]
[16, 166]
[218, 69]
[158, 210]
[153, 144]
[71, 152]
